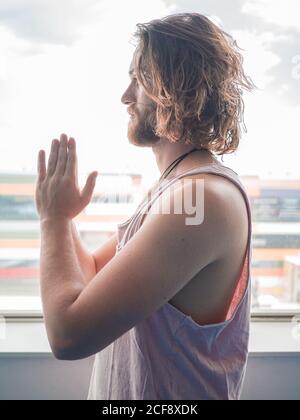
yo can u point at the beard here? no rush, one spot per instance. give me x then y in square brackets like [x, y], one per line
[141, 129]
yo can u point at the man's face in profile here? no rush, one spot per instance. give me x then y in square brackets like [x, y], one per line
[142, 121]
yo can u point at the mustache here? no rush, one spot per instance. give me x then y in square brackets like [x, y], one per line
[131, 109]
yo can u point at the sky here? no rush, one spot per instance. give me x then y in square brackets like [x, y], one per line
[64, 67]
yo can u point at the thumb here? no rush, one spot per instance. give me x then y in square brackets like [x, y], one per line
[88, 189]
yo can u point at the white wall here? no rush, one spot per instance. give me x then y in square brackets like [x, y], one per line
[43, 377]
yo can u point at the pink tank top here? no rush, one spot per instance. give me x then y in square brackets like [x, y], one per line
[168, 356]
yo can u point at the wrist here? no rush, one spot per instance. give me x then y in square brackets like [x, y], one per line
[55, 220]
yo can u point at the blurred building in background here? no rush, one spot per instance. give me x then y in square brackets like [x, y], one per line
[115, 198]
[276, 232]
[275, 207]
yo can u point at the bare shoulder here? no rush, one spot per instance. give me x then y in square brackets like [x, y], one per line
[225, 205]
[202, 212]
[221, 188]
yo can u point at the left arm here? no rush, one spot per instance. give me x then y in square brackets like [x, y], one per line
[61, 279]
[58, 201]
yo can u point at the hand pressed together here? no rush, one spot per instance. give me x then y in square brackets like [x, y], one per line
[57, 193]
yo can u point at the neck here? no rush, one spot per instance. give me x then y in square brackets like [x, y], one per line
[166, 152]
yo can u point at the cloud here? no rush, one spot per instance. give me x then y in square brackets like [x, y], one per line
[48, 21]
[73, 88]
[281, 13]
[228, 11]
[282, 18]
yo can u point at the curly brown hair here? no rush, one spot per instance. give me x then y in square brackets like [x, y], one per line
[193, 71]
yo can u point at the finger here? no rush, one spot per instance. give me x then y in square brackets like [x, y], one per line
[71, 160]
[41, 166]
[62, 155]
[52, 161]
[88, 189]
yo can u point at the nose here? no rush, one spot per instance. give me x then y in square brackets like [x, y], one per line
[127, 101]
[128, 96]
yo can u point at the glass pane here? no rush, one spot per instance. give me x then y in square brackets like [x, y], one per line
[113, 202]
[56, 76]
[276, 242]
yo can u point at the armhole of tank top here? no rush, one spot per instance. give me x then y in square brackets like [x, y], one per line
[237, 183]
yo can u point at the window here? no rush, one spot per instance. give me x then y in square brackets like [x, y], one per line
[276, 242]
[113, 202]
[53, 80]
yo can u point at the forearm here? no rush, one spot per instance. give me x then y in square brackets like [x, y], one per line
[61, 278]
[85, 259]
